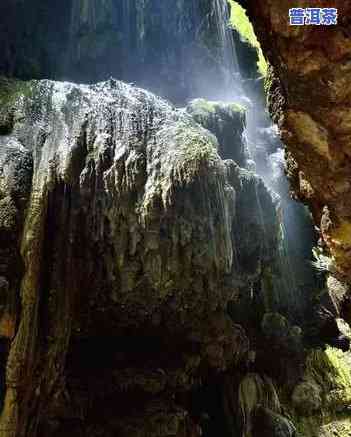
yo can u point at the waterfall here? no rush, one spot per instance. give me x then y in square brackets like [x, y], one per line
[227, 47]
[184, 50]
[266, 158]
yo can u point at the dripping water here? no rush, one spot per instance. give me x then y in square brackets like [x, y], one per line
[266, 159]
[227, 47]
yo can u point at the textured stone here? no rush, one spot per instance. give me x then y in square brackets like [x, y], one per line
[307, 398]
[227, 122]
[255, 391]
[309, 98]
[127, 243]
[270, 424]
[137, 235]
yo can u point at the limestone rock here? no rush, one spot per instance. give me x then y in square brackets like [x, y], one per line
[254, 391]
[227, 122]
[307, 398]
[308, 99]
[126, 252]
[270, 424]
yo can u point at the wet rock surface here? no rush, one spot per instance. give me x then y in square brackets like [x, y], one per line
[126, 254]
[136, 237]
[147, 267]
[227, 121]
[308, 94]
[309, 99]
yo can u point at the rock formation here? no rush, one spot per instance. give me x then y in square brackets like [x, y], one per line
[119, 213]
[308, 96]
[309, 93]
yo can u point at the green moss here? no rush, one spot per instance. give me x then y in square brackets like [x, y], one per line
[331, 371]
[205, 105]
[11, 89]
[241, 23]
[329, 367]
[213, 106]
[195, 148]
[323, 426]
[190, 149]
[308, 426]
[235, 107]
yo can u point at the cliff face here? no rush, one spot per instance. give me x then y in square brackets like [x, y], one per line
[121, 222]
[142, 270]
[309, 98]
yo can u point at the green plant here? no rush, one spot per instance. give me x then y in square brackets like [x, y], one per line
[241, 23]
[321, 262]
[331, 371]
[10, 89]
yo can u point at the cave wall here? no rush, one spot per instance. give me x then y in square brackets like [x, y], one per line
[309, 97]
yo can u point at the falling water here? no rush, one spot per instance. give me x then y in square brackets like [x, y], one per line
[187, 67]
[261, 216]
[228, 51]
[266, 158]
[83, 14]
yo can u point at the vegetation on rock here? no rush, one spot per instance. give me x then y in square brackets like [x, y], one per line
[242, 24]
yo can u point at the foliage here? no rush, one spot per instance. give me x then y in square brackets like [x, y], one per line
[212, 107]
[331, 371]
[241, 23]
[321, 262]
[10, 89]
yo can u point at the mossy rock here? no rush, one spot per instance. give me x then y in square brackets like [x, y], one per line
[322, 401]
[226, 121]
[10, 90]
[275, 325]
[267, 423]
[243, 26]
[203, 107]
[307, 398]
[332, 372]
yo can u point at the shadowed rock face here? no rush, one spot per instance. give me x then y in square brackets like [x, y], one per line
[268, 424]
[227, 122]
[118, 212]
[310, 100]
[132, 237]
